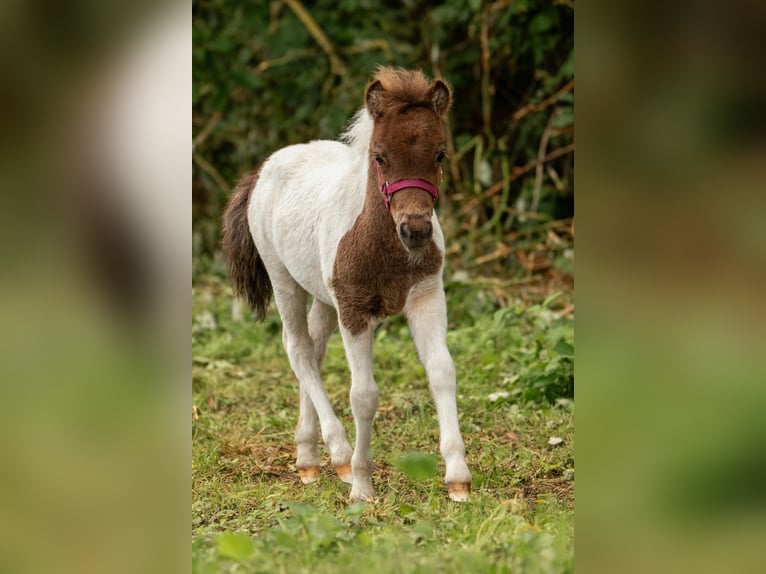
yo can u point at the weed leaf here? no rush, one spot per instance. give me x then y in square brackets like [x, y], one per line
[418, 465]
[235, 545]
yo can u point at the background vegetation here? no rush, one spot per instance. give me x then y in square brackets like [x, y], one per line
[268, 74]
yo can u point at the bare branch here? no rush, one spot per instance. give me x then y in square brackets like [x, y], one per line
[336, 65]
[208, 168]
[539, 167]
[291, 55]
[206, 130]
[517, 172]
[530, 108]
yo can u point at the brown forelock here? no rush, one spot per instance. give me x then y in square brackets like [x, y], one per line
[373, 272]
[402, 88]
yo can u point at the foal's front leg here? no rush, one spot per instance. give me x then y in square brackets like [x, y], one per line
[364, 403]
[427, 317]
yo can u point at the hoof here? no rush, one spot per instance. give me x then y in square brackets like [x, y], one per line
[344, 472]
[459, 491]
[309, 474]
[365, 494]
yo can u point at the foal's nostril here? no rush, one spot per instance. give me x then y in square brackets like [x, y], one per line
[415, 231]
[424, 230]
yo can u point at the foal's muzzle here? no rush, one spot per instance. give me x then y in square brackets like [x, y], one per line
[415, 230]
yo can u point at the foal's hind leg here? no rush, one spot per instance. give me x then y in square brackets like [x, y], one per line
[306, 437]
[291, 302]
[321, 323]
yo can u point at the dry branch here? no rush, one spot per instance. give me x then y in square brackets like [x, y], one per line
[208, 168]
[370, 45]
[486, 100]
[291, 55]
[207, 129]
[540, 163]
[336, 65]
[517, 172]
[530, 108]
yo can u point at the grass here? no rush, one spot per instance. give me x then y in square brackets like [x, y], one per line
[250, 513]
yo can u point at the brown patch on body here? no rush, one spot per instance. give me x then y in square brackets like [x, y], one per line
[373, 272]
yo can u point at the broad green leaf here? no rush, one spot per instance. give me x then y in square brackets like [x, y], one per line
[565, 349]
[405, 509]
[301, 509]
[235, 545]
[550, 299]
[355, 510]
[284, 539]
[418, 465]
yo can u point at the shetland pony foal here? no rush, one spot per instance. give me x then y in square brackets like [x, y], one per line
[352, 224]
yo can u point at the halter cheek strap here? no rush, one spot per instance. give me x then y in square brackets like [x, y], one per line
[389, 189]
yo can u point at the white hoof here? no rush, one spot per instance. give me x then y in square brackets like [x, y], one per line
[459, 491]
[365, 493]
[344, 472]
[309, 474]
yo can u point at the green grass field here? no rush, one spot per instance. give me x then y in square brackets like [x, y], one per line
[515, 376]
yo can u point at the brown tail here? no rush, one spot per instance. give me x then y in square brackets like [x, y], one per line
[247, 274]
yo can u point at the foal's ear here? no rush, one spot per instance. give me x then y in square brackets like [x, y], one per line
[441, 98]
[374, 99]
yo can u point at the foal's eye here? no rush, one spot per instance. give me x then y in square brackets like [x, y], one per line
[440, 157]
[379, 159]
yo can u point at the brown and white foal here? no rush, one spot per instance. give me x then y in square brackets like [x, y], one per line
[352, 224]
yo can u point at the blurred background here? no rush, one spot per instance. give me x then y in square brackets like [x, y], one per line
[671, 267]
[95, 180]
[94, 289]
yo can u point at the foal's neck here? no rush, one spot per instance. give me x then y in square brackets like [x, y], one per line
[373, 272]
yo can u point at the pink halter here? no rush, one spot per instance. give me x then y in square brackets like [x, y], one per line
[389, 189]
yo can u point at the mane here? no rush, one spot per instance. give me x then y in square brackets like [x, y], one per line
[403, 88]
[359, 132]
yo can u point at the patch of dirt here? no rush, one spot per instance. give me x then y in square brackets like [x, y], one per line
[560, 488]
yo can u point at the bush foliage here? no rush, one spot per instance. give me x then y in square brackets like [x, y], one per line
[269, 74]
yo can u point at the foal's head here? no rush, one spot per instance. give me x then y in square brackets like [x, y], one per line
[407, 147]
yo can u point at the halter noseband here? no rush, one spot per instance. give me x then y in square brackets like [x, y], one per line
[389, 189]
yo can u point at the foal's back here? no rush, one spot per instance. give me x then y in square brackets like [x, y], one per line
[306, 198]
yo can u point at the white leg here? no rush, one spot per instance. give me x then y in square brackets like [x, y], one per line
[291, 302]
[427, 317]
[306, 437]
[364, 403]
[321, 323]
[323, 319]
